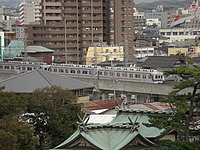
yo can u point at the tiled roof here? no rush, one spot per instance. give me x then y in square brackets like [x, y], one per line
[155, 62]
[28, 82]
[102, 104]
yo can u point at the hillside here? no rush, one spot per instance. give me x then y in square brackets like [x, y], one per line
[167, 4]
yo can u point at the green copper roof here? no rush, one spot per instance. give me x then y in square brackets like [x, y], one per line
[16, 48]
[105, 137]
[115, 135]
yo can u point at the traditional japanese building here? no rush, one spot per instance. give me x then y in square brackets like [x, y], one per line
[122, 131]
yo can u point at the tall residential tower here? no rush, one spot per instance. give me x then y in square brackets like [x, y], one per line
[70, 27]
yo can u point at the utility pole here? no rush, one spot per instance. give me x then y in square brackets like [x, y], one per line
[21, 35]
[125, 50]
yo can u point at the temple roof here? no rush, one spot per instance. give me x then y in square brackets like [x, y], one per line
[114, 132]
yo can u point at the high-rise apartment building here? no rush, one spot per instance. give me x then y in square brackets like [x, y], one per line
[70, 27]
[30, 12]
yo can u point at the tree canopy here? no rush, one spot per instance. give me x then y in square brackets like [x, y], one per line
[184, 101]
[40, 120]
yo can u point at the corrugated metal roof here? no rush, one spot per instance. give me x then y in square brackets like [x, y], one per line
[28, 82]
[102, 104]
[103, 119]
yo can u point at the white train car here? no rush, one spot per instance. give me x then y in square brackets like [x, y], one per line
[118, 73]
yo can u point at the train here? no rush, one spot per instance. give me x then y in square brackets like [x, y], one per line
[130, 74]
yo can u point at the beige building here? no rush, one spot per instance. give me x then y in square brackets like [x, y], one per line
[30, 12]
[100, 54]
[191, 52]
[70, 27]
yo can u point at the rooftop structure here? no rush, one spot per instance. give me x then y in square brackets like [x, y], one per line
[125, 130]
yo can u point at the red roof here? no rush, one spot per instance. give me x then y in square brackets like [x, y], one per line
[102, 104]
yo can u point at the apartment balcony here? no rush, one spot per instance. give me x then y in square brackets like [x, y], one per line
[71, 38]
[71, 18]
[70, 4]
[52, 4]
[70, 11]
[55, 46]
[53, 18]
[49, 32]
[56, 39]
[71, 24]
[52, 11]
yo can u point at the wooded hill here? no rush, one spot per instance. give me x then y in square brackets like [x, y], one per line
[167, 4]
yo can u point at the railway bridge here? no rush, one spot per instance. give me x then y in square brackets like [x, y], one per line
[131, 91]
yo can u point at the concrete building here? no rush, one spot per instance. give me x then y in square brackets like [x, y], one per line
[179, 34]
[153, 23]
[140, 21]
[144, 52]
[70, 27]
[98, 54]
[29, 12]
[160, 14]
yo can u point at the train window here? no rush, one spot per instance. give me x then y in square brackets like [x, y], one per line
[144, 76]
[23, 68]
[111, 73]
[100, 73]
[6, 67]
[85, 72]
[29, 68]
[150, 76]
[124, 74]
[90, 72]
[105, 73]
[12, 67]
[118, 74]
[54, 70]
[79, 71]
[1, 67]
[156, 76]
[131, 75]
[60, 70]
[66, 71]
[73, 71]
[137, 75]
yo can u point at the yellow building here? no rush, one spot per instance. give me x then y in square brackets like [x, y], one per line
[191, 51]
[100, 54]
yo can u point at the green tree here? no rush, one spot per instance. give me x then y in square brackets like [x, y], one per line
[53, 113]
[16, 135]
[184, 100]
[12, 104]
[177, 145]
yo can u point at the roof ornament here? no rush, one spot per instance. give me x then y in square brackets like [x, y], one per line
[135, 125]
[83, 123]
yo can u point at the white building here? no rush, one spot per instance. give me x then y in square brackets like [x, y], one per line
[30, 12]
[154, 22]
[179, 34]
[144, 52]
[140, 21]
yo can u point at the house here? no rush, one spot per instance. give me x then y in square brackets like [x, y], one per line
[161, 62]
[28, 82]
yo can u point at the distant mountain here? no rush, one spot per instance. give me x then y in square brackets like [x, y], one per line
[167, 4]
[143, 1]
